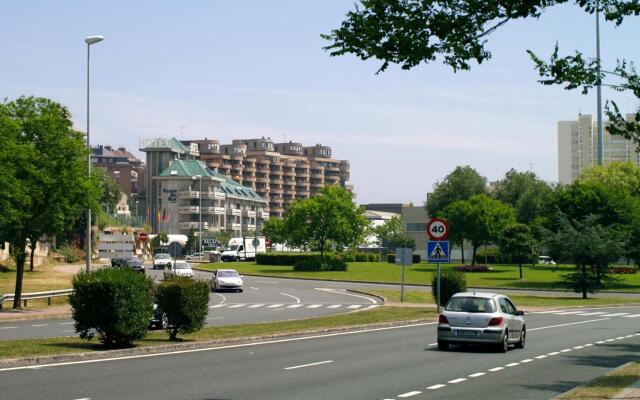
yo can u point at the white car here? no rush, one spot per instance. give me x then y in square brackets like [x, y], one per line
[226, 279]
[195, 256]
[179, 268]
[160, 260]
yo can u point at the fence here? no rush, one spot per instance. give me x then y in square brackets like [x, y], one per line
[36, 295]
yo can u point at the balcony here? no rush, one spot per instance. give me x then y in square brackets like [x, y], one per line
[188, 210]
[277, 181]
[217, 195]
[249, 213]
[213, 210]
[188, 194]
[263, 214]
[249, 168]
[236, 212]
[317, 184]
[250, 227]
[276, 190]
[192, 225]
[235, 227]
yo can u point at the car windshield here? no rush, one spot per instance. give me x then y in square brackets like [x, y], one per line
[162, 255]
[232, 248]
[134, 261]
[227, 274]
[471, 305]
[181, 266]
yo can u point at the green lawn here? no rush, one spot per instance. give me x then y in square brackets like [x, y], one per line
[52, 346]
[501, 276]
[422, 297]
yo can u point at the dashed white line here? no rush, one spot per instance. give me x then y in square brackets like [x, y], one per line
[254, 288]
[477, 374]
[84, 398]
[457, 380]
[513, 364]
[9, 327]
[236, 305]
[620, 337]
[567, 312]
[527, 360]
[335, 306]
[571, 323]
[275, 305]
[496, 369]
[217, 305]
[211, 318]
[309, 365]
[540, 357]
[409, 394]
[629, 336]
[600, 341]
[38, 325]
[314, 306]
[255, 305]
[355, 306]
[578, 347]
[553, 353]
[438, 386]
[588, 345]
[632, 316]
[616, 314]
[295, 306]
[594, 313]
[66, 323]
[565, 350]
[609, 340]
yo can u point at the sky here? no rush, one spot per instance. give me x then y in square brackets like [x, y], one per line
[244, 69]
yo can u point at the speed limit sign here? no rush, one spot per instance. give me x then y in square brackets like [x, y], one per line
[438, 229]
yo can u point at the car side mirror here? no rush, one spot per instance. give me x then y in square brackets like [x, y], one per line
[519, 312]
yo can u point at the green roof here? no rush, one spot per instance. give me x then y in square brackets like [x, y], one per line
[161, 143]
[191, 168]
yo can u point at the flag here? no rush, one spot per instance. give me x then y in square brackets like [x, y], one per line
[158, 217]
[164, 214]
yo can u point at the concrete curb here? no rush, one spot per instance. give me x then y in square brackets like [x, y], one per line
[381, 298]
[577, 388]
[107, 354]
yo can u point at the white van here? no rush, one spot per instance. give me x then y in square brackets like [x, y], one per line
[546, 260]
[241, 249]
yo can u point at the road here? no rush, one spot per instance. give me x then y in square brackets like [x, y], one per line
[564, 349]
[263, 300]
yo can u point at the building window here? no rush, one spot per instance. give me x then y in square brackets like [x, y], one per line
[416, 227]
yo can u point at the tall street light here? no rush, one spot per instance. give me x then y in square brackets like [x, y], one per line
[599, 88]
[89, 40]
[200, 217]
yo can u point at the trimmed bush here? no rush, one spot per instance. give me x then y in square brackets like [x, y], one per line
[472, 268]
[115, 303]
[185, 301]
[293, 258]
[493, 256]
[330, 264]
[451, 282]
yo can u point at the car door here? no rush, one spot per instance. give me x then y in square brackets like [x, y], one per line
[517, 320]
[508, 315]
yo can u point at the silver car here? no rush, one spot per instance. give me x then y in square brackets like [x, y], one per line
[226, 279]
[481, 318]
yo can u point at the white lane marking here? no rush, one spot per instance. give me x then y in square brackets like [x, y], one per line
[295, 305]
[66, 323]
[588, 345]
[255, 305]
[309, 365]
[477, 374]
[433, 344]
[609, 340]
[347, 294]
[9, 327]
[568, 312]
[85, 398]
[542, 356]
[314, 306]
[616, 314]
[526, 360]
[275, 282]
[409, 394]
[335, 306]
[600, 341]
[37, 325]
[632, 316]
[620, 337]
[578, 347]
[457, 380]
[513, 364]
[293, 297]
[594, 313]
[438, 386]
[544, 312]
[275, 305]
[217, 305]
[629, 336]
[637, 334]
[571, 323]
[553, 353]
[254, 288]
[355, 306]
[224, 299]
[496, 369]
[565, 350]
[231, 346]
[236, 305]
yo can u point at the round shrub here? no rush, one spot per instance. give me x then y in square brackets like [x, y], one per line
[451, 282]
[115, 303]
[185, 301]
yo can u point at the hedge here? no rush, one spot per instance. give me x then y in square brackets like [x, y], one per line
[493, 256]
[293, 258]
[391, 258]
[451, 282]
[622, 270]
[114, 303]
[314, 264]
[185, 301]
[472, 268]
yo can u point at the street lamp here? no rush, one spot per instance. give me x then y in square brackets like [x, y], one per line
[599, 88]
[200, 217]
[89, 40]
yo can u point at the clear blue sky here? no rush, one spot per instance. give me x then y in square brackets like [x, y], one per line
[232, 69]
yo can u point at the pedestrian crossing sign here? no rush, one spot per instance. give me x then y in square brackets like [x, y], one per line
[437, 251]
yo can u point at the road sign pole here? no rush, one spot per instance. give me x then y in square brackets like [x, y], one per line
[402, 286]
[438, 287]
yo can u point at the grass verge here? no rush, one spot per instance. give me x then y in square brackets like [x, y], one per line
[422, 297]
[55, 346]
[43, 278]
[607, 386]
[501, 276]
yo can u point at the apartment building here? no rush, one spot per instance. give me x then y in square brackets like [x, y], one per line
[184, 194]
[125, 168]
[278, 172]
[578, 147]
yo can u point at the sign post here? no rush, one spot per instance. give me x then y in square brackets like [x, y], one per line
[437, 249]
[404, 257]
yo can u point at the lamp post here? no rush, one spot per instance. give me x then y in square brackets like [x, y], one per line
[599, 88]
[200, 217]
[89, 40]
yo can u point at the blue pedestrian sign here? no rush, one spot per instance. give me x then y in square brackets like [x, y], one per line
[437, 251]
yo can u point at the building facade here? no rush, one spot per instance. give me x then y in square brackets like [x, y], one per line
[125, 168]
[278, 172]
[578, 147]
[414, 221]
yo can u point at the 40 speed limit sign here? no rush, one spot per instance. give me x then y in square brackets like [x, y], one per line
[438, 229]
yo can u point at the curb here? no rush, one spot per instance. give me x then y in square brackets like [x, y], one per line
[575, 389]
[212, 344]
[381, 298]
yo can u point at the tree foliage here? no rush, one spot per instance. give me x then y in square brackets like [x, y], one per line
[523, 191]
[389, 233]
[518, 244]
[456, 32]
[460, 184]
[274, 230]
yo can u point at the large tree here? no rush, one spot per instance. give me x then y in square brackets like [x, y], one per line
[274, 230]
[51, 188]
[523, 191]
[456, 32]
[518, 244]
[461, 183]
[330, 217]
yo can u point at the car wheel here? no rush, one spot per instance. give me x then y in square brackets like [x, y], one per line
[164, 321]
[523, 337]
[442, 345]
[503, 347]
[240, 290]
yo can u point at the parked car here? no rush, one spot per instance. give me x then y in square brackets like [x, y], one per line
[226, 279]
[179, 268]
[136, 264]
[546, 260]
[481, 318]
[195, 256]
[160, 260]
[159, 318]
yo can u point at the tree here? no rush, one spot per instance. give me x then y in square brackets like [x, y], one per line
[274, 230]
[329, 217]
[523, 191]
[388, 233]
[589, 245]
[618, 176]
[161, 239]
[110, 190]
[52, 189]
[461, 183]
[411, 32]
[192, 242]
[456, 215]
[517, 243]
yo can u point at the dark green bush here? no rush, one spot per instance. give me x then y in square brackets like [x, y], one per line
[314, 264]
[293, 258]
[115, 303]
[69, 252]
[451, 282]
[493, 256]
[185, 301]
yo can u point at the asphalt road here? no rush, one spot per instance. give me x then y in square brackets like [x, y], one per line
[563, 350]
[263, 300]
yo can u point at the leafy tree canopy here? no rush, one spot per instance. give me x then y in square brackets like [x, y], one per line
[523, 191]
[461, 183]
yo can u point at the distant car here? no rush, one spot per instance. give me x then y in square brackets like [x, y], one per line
[159, 319]
[160, 260]
[179, 268]
[226, 279]
[195, 256]
[136, 264]
[481, 318]
[546, 260]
